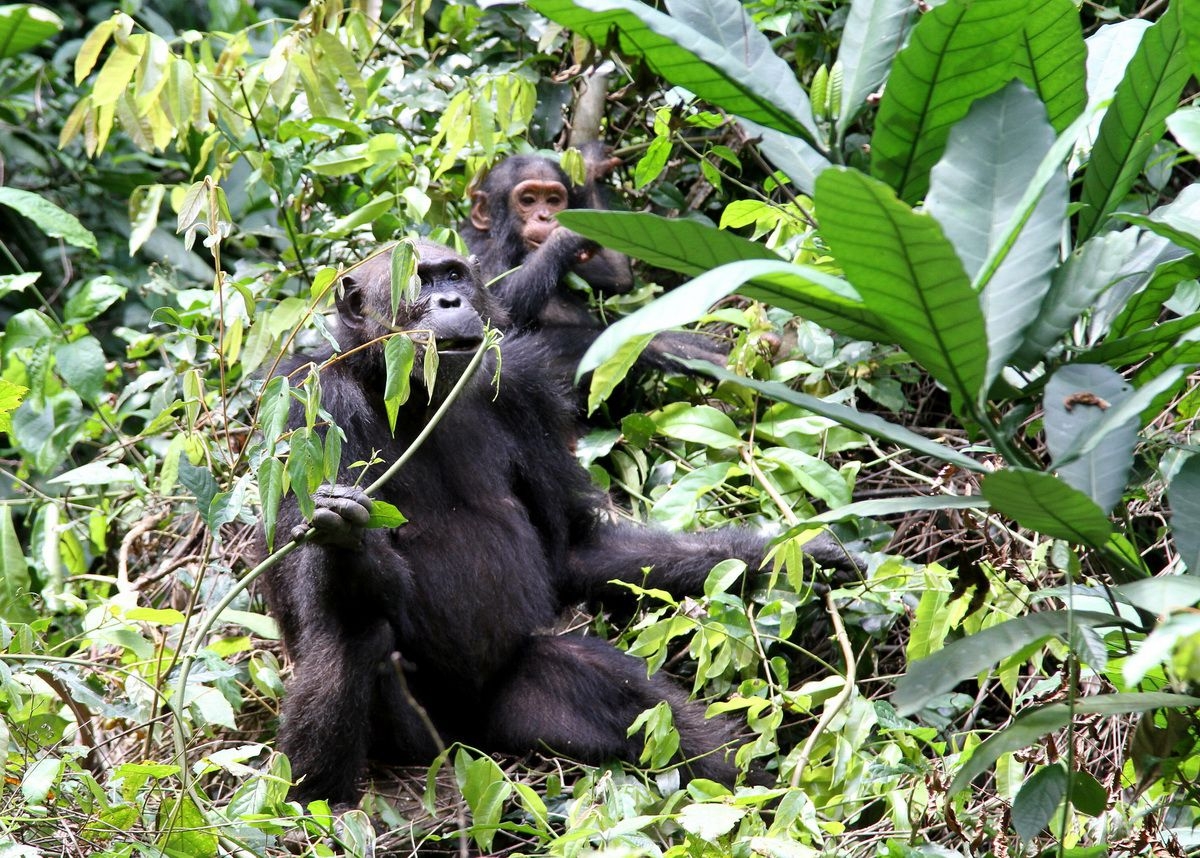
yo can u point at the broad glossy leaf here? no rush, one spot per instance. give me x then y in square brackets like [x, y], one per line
[1076, 397]
[896, 506]
[398, 356]
[1044, 503]
[1177, 221]
[1032, 724]
[24, 26]
[976, 191]
[1189, 15]
[1142, 310]
[908, 275]
[49, 218]
[932, 676]
[803, 290]
[799, 160]
[677, 244]
[1135, 120]
[1140, 404]
[1052, 59]
[729, 62]
[15, 604]
[1087, 273]
[81, 365]
[1038, 801]
[1123, 351]
[957, 53]
[1184, 497]
[868, 424]
[874, 32]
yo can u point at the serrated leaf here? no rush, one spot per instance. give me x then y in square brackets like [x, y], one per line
[975, 192]
[908, 274]
[24, 26]
[1046, 504]
[1184, 497]
[959, 52]
[1037, 801]
[49, 218]
[712, 48]
[1076, 397]
[1135, 120]
[1052, 59]
[874, 32]
[936, 674]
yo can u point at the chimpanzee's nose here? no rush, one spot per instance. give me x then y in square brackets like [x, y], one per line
[447, 300]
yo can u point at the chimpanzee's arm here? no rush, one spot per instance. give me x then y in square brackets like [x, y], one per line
[527, 290]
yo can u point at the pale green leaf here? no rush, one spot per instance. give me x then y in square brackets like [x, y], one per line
[24, 26]
[49, 218]
[1044, 503]
[875, 30]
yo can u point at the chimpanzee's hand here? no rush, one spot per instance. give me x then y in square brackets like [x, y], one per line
[341, 514]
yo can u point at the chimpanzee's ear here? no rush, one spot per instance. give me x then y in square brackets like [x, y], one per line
[352, 299]
[481, 218]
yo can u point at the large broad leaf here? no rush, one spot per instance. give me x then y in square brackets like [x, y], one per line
[24, 26]
[1184, 495]
[958, 53]
[727, 61]
[1033, 724]
[677, 244]
[1089, 271]
[50, 219]
[1052, 59]
[1178, 221]
[798, 159]
[799, 289]
[1141, 312]
[935, 675]
[1044, 503]
[1076, 398]
[1135, 121]
[1189, 14]
[898, 506]
[908, 275]
[868, 424]
[975, 191]
[15, 604]
[874, 32]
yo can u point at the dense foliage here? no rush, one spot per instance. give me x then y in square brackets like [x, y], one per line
[954, 247]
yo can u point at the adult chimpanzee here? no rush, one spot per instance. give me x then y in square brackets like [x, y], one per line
[513, 229]
[451, 610]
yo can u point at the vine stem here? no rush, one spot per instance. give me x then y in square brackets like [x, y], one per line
[837, 703]
[185, 666]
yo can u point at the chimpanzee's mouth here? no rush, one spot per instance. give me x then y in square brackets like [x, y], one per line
[458, 345]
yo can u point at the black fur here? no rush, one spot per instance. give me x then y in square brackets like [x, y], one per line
[453, 608]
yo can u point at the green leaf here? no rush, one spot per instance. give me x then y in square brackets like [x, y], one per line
[711, 48]
[803, 290]
[49, 218]
[40, 779]
[11, 397]
[1135, 120]
[1189, 15]
[874, 32]
[975, 192]
[81, 365]
[1044, 503]
[1087, 794]
[15, 604]
[799, 160]
[185, 830]
[1141, 312]
[929, 678]
[1087, 273]
[908, 274]
[1178, 221]
[96, 296]
[868, 424]
[708, 821]
[699, 424]
[144, 205]
[398, 356]
[1038, 800]
[383, 515]
[612, 369]
[1032, 724]
[270, 493]
[24, 26]
[1074, 402]
[898, 506]
[1052, 58]
[1184, 497]
[959, 52]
